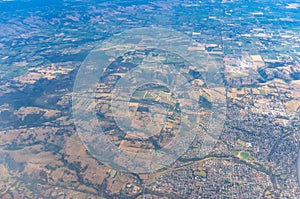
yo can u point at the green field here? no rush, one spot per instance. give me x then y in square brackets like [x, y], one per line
[242, 155]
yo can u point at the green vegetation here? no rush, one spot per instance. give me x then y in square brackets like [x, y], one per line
[200, 173]
[241, 142]
[262, 92]
[138, 94]
[235, 153]
[149, 96]
[244, 155]
[113, 173]
[165, 97]
[56, 73]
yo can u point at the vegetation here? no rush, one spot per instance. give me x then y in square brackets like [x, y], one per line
[262, 92]
[241, 142]
[56, 73]
[244, 155]
[235, 153]
[200, 173]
